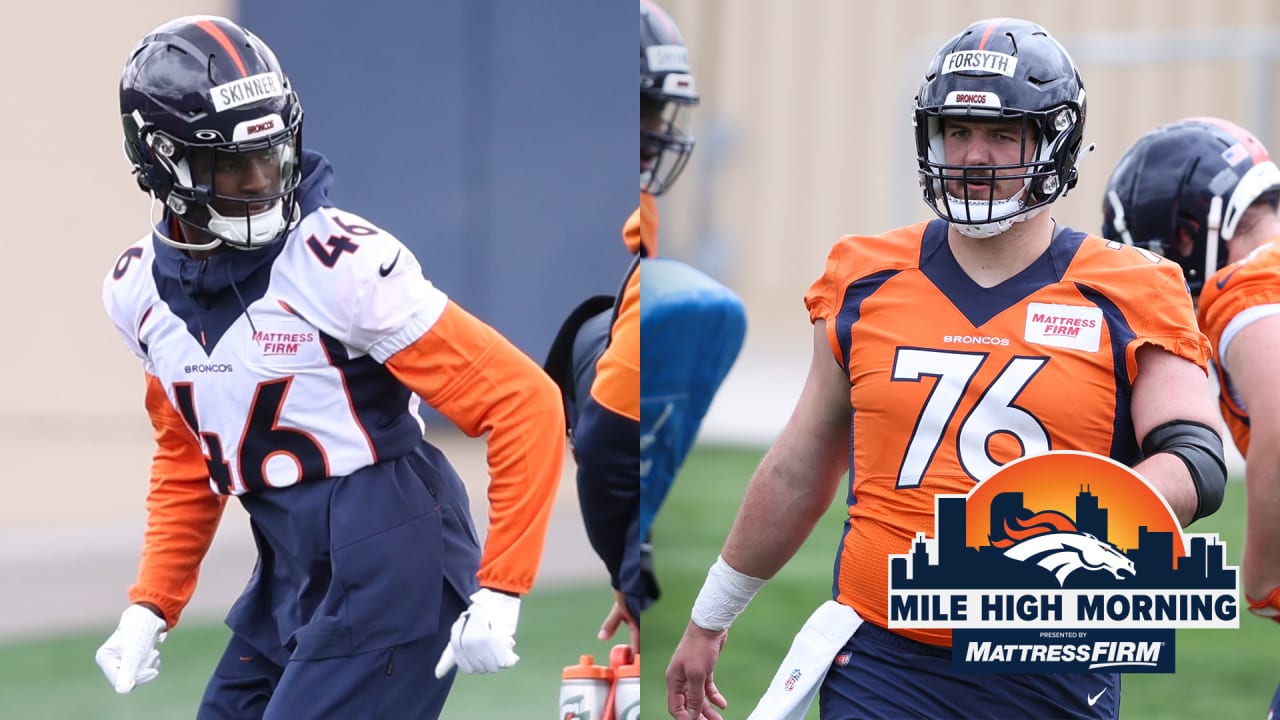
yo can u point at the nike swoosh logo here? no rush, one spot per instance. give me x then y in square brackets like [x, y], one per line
[1094, 698]
[385, 270]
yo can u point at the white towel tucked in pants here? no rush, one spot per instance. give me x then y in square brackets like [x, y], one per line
[796, 683]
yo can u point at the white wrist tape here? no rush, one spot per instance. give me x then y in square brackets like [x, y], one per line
[723, 597]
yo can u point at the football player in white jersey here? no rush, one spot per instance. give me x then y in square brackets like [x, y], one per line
[286, 344]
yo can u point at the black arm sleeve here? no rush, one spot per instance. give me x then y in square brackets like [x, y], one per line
[1200, 449]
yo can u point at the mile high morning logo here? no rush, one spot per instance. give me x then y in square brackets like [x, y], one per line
[1062, 562]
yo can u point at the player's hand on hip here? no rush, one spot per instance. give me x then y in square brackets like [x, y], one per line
[691, 687]
[129, 657]
[483, 638]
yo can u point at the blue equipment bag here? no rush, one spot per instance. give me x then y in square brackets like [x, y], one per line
[691, 330]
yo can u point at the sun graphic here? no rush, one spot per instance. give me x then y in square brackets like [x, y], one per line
[1068, 481]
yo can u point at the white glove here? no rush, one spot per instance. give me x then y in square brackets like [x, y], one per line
[483, 638]
[129, 657]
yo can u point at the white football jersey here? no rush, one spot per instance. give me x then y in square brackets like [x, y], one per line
[274, 356]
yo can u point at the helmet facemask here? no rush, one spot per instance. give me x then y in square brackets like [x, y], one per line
[1046, 166]
[240, 193]
[665, 146]
[1260, 183]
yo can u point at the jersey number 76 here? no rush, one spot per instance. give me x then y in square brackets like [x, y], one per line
[994, 413]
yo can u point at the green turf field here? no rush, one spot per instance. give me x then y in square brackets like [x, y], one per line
[57, 679]
[1228, 674]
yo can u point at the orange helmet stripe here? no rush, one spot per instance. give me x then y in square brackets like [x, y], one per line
[211, 28]
[1257, 151]
[986, 34]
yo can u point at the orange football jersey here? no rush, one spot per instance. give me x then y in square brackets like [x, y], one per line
[950, 380]
[1232, 298]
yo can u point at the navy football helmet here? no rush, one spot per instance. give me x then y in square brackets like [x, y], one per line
[1180, 190]
[213, 130]
[666, 87]
[1001, 69]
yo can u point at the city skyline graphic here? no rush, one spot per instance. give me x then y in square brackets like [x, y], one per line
[1061, 562]
[949, 561]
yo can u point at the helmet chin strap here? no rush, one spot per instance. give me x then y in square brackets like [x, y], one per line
[982, 208]
[986, 230]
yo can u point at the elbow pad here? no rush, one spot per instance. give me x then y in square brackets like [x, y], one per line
[1200, 449]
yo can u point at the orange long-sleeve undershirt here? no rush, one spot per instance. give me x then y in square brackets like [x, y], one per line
[475, 377]
[182, 512]
[617, 383]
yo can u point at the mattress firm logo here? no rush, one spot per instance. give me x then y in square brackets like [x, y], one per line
[1062, 562]
[282, 344]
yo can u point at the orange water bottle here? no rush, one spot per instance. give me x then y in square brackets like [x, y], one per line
[584, 690]
[619, 657]
[626, 691]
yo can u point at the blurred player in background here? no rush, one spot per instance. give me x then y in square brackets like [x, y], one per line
[632, 430]
[1203, 192]
[692, 327]
[927, 375]
[286, 344]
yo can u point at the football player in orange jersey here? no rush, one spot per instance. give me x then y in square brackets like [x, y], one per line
[631, 433]
[1203, 191]
[287, 345]
[935, 362]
